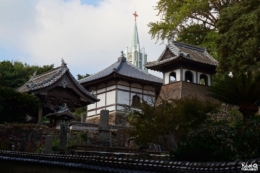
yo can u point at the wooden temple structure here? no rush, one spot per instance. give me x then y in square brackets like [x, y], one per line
[187, 70]
[118, 86]
[55, 88]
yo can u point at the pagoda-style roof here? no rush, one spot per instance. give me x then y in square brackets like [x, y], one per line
[177, 50]
[122, 69]
[63, 113]
[51, 78]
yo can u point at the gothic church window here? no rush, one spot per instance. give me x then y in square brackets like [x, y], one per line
[136, 101]
[188, 76]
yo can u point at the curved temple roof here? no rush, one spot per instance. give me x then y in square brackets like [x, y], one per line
[187, 51]
[124, 68]
[48, 78]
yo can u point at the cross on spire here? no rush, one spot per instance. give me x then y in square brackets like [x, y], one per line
[135, 14]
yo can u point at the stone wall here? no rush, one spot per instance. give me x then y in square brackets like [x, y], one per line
[31, 137]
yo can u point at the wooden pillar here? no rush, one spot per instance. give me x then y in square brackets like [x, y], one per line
[181, 74]
[40, 115]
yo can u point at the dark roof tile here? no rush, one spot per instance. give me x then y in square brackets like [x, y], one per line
[186, 51]
[123, 68]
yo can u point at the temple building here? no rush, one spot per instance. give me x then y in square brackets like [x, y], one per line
[187, 70]
[117, 86]
[56, 88]
[134, 54]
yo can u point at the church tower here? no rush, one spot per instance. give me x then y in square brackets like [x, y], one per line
[134, 54]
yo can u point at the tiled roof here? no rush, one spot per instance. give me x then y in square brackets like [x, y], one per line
[50, 77]
[63, 111]
[124, 68]
[186, 51]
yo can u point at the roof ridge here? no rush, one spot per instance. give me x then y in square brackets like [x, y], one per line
[57, 73]
[45, 73]
[84, 79]
[142, 70]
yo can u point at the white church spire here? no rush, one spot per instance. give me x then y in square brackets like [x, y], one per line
[133, 53]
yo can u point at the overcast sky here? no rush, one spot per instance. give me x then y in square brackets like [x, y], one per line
[88, 34]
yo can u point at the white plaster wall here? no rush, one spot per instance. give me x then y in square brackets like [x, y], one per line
[178, 74]
[149, 92]
[149, 99]
[120, 108]
[92, 106]
[111, 108]
[111, 87]
[111, 97]
[102, 100]
[91, 113]
[123, 87]
[194, 75]
[136, 90]
[101, 90]
[167, 76]
[123, 97]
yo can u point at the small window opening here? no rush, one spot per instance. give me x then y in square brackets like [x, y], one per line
[188, 76]
[136, 101]
[172, 77]
[203, 79]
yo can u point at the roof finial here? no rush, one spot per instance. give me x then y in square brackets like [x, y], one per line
[63, 62]
[135, 14]
[122, 54]
[34, 73]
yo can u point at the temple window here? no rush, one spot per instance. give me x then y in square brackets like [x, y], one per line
[136, 101]
[203, 79]
[172, 77]
[188, 76]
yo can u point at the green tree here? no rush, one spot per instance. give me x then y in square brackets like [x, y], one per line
[176, 118]
[221, 142]
[16, 106]
[15, 74]
[240, 90]
[189, 21]
[238, 42]
[81, 110]
[82, 76]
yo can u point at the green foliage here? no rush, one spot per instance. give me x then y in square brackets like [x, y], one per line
[15, 74]
[83, 76]
[239, 37]
[221, 142]
[83, 136]
[189, 21]
[15, 106]
[240, 90]
[175, 118]
[79, 111]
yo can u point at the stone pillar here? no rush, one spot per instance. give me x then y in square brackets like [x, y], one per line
[63, 136]
[83, 118]
[48, 144]
[103, 129]
[40, 115]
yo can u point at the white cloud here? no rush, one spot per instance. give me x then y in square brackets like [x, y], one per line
[88, 38]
